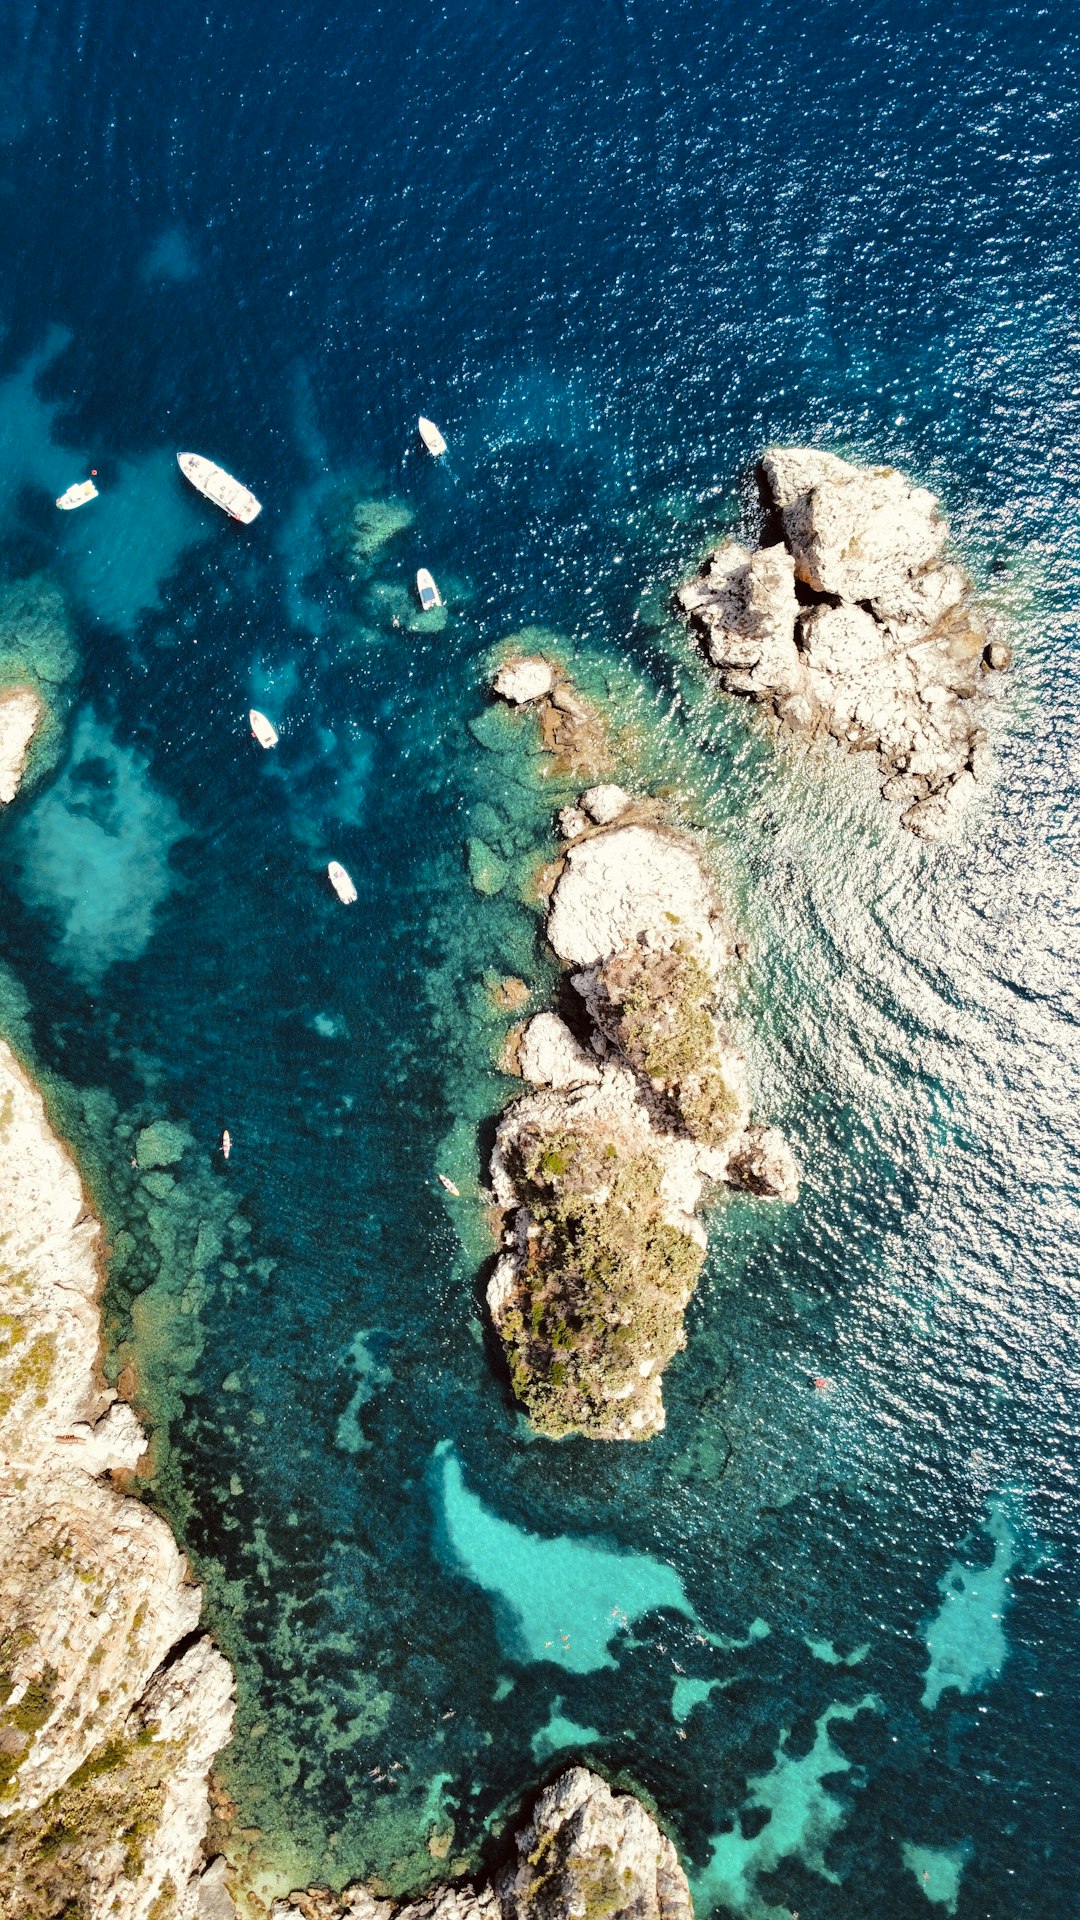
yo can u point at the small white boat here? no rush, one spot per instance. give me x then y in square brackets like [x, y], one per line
[226, 1144]
[428, 591]
[264, 730]
[431, 437]
[444, 1181]
[341, 883]
[77, 495]
[220, 487]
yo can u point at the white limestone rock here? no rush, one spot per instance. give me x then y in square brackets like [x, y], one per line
[604, 804]
[887, 660]
[95, 1596]
[582, 1844]
[522, 681]
[634, 883]
[21, 714]
[746, 607]
[858, 532]
[549, 1056]
[764, 1164]
[572, 822]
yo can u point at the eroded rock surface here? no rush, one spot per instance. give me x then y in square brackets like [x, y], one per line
[585, 1852]
[21, 712]
[112, 1704]
[602, 1168]
[856, 626]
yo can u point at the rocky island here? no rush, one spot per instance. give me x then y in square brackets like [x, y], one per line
[855, 624]
[639, 1104]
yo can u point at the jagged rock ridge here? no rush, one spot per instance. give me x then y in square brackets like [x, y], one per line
[585, 1854]
[857, 626]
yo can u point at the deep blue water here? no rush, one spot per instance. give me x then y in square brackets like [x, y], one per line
[613, 250]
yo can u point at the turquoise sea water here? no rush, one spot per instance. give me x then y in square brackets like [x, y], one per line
[613, 251]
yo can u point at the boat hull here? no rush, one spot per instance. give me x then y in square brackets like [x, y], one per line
[215, 484]
[427, 590]
[341, 883]
[77, 496]
[431, 437]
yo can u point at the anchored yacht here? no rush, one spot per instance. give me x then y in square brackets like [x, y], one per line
[220, 487]
[77, 496]
[431, 437]
[264, 730]
[428, 591]
[341, 883]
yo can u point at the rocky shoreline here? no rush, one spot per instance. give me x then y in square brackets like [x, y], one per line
[854, 624]
[639, 1105]
[112, 1703]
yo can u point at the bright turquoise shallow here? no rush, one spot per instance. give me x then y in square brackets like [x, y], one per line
[613, 251]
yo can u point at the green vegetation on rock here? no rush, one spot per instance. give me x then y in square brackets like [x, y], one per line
[659, 1008]
[603, 1285]
[111, 1803]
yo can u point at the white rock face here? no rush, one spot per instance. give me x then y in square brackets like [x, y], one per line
[549, 1055]
[764, 1164]
[634, 884]
[521, 681]
[582, 1839]
[94, 1594]
[746, 603]
[21, 713]
[604, 804]
[888, 661]
[858, 532]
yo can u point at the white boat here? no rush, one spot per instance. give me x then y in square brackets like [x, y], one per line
[431, 437]
[341, 883]
[445, 1181]
[428, 591]
[264, 730]
[226, 1144]
[77, 495]
[220, 487]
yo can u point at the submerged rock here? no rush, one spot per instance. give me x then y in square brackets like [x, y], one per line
[602, 1168]
[855, 626]
[570, 728]
[584, 1852]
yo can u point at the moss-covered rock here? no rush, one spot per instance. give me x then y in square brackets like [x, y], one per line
[600, 1288]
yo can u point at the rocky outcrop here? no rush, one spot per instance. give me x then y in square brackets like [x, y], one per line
[112, 1704]
[601, 1169]
[585, 1854]
[856, 625]
[21, 712]
[570, 728]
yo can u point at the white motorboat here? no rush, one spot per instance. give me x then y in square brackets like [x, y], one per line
[341, 883]
[445, 1181]
[220, 487]
[431, 437]
[428, 591]
[77, 495]
[226, 1144]
[264, 730]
